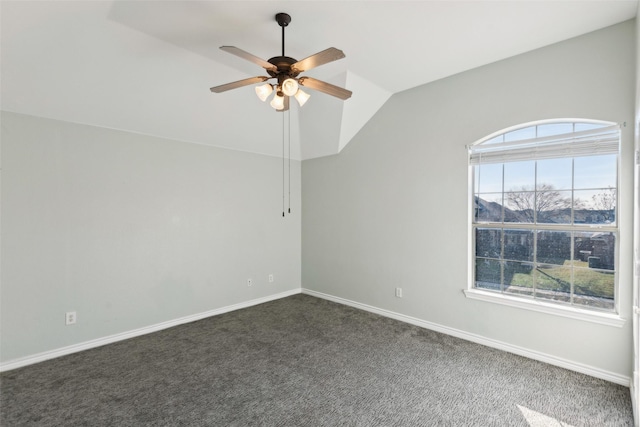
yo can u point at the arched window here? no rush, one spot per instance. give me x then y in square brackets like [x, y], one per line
[544, 221]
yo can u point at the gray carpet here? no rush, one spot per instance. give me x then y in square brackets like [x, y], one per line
[303, 361]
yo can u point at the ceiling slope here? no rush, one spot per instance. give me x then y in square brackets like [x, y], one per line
[146, 66]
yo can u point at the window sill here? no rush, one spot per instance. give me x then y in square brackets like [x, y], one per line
[609, 319]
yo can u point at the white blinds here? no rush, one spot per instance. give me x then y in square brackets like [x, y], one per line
[604, 140]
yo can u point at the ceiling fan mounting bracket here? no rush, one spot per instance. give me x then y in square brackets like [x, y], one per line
[283, 19]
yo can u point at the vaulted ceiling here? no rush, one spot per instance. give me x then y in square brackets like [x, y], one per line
[147, 66]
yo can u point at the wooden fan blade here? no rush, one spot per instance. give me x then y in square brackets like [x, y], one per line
[239, 83]
[320, 58]
[325, 87]
[249, 57]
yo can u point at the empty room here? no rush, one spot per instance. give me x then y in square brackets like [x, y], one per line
[320, 213]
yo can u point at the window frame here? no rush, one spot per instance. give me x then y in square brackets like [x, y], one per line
[606, 317]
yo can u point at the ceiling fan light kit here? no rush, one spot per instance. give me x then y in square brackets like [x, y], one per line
[263, 91]
[286, 70]
[278, 102]
[302, 97]
[289, 87]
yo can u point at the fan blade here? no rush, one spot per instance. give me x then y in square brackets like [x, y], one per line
[320, 58]
[325, 87]
[239, 83]
[249, 57]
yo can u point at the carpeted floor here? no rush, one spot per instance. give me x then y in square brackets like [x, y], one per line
[303, 361]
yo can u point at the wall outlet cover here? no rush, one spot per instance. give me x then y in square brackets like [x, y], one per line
[70, 318]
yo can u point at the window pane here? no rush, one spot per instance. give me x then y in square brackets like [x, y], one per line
[519, 206]
[488, 273]
[595, 250]
[518, 245]
[588, 126]
[582, 248]
[519, 175]
[555, 173]
[488, 178]
[488, 208]
[553, 283]
[520, 134]
[499, 138]
[554, 129]
[553, 207]
[554, 247]
[595, 206]
[518, 278]
[595, 171]
[488, 242]
[593, 288]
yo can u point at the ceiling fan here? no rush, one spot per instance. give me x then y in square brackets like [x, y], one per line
[286, 71]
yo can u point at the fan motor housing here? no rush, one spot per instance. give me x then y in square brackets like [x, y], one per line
[283, 65]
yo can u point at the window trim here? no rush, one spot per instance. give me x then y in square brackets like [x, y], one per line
[612, 318]
[572, 312]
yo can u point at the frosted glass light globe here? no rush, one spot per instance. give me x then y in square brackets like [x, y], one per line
[263, 91]
[277, 102]
[302, 97]
[289, 87]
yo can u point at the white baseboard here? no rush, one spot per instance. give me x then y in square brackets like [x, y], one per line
[47, 355]
[521, 351]
[552, 360]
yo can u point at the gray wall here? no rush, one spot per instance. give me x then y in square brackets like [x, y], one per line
[130, 231]
[392, 209]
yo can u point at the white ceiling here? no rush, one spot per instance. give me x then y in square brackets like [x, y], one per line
[146, 66]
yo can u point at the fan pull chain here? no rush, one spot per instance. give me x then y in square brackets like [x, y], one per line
[289, 116]
[283, 165]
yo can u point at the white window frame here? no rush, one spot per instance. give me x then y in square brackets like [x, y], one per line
[610, 318]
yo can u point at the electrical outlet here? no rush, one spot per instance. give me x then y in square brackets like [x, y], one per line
[249, 282]
[271, 278]
[399, 292]
[70, 318]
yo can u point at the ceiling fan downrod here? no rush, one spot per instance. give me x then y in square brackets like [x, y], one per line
[283, 19]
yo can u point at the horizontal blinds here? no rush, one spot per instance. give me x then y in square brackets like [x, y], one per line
[605, 140]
